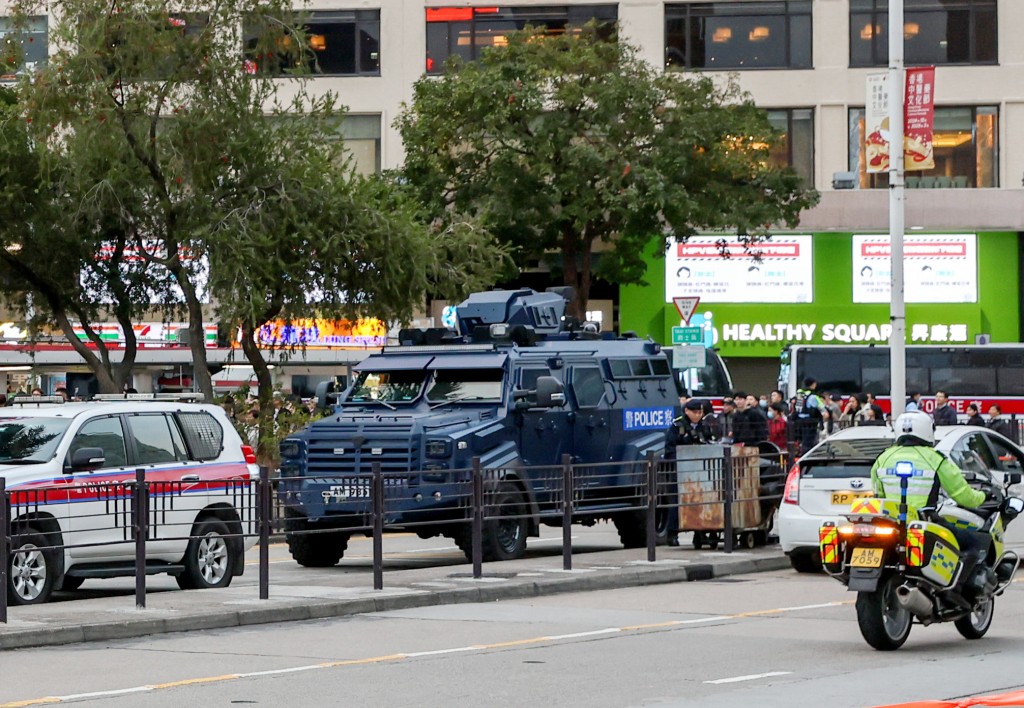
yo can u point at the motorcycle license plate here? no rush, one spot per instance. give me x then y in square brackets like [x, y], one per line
[847, 498]
[866, 557]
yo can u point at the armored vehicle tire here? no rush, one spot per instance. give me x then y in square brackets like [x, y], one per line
[975, 624]
[208, 561]
[31, 572]
[313, 550]
[503, 539]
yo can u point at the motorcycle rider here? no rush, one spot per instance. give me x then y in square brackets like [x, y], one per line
[915, 438]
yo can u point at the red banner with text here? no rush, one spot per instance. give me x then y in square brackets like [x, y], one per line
[919, 119]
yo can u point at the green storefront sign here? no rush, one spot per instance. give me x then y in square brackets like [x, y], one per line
[760, 329]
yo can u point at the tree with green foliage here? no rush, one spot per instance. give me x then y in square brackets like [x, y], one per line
[230, 186]
[572, 144]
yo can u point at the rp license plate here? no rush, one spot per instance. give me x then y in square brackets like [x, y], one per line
[866, 557]
[847, 498]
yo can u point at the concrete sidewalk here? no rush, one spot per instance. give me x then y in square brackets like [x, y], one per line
[108, 612]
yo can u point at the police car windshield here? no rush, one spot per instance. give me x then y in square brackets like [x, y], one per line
[450, 385]
[30, 440]
[387, 386]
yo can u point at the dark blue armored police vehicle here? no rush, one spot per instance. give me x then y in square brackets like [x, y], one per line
[519, 386]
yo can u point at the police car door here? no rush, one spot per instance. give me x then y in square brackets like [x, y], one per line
[591, 433]
[543, 432]
[100, 499]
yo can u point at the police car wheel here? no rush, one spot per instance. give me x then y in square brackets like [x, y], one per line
[31, 571]
[208, 559]
[975, 624]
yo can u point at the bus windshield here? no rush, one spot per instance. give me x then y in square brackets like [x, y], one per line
[387, 386]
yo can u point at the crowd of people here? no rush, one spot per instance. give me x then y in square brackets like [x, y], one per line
[798, 423]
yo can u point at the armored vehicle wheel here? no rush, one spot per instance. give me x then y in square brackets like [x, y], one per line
[976, 624]
[313, 550]
[504, 538]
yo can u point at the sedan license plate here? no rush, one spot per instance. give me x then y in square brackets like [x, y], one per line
[847, 498]
[866, 557]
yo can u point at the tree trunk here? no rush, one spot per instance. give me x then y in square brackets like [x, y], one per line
[197, 335]
[578, 277]
[265, 425]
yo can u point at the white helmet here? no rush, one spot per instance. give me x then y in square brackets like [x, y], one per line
[915, 426]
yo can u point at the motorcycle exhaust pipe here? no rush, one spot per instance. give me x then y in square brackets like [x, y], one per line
[915, 601]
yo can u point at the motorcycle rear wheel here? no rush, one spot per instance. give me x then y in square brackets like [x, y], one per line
[883, 622]
[975, 624]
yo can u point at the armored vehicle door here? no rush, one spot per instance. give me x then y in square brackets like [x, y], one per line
[591, 430]
[543, 433]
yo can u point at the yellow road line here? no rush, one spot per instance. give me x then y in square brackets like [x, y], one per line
[49, 700]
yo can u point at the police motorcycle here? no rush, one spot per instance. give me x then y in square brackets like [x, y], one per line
[907, 565]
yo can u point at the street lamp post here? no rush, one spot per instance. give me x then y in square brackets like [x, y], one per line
[897, 306]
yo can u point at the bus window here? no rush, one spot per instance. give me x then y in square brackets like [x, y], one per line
[835, 371]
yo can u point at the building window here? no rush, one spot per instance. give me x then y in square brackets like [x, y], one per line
[738, 35]
[797, 147]
[339, 43]
[27, 42]
[361, 134]
[965, 147]
[934, 32]
[466, 31]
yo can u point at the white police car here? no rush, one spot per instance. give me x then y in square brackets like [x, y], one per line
[68, 470]
[836, 471]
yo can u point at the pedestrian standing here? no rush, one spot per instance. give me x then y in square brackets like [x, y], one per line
[974, 416]
[778, 425]
[807, 414]
[943, 413]
[999, 424]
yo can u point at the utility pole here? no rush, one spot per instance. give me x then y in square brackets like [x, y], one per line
[897, 306]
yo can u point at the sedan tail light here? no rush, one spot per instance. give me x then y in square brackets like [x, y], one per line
[791, 493]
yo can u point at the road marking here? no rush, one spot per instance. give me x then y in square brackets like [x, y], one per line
[438, 652]
[751, 677]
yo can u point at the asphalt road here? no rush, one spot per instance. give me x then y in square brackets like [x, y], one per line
[774, 639]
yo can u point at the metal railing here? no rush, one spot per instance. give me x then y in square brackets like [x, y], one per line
[470, 505]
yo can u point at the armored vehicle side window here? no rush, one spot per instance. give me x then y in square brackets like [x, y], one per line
[619, 368]
[465, 385]
[640, 367]
[587, 386]
[528, 378]
[660, 367]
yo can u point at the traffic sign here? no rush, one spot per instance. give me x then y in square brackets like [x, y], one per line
[689, 357]
[686, 306]
[687, 335]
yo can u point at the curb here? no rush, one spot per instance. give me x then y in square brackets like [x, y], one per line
[297, 611]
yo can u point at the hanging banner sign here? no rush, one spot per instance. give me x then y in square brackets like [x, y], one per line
[941, 268]
[919, 119]
[709, 269]
[876, 124]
